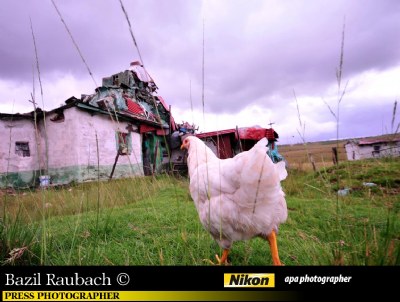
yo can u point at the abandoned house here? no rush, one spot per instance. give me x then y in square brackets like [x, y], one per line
[373, 147]
[121, 130]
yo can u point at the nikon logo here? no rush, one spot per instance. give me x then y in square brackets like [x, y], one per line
[249, 280]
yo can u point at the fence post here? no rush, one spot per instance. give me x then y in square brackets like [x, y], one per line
[335, 156]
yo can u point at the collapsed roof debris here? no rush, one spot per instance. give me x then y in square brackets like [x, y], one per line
[131, 93]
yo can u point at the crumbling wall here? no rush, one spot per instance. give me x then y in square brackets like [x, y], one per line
[73, 151]
[19, 163]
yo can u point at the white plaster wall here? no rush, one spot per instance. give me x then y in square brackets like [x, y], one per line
[71, 147]
[392, 149]
[366, 151]
[62, 140]
[73, 142]
[136, 157]
[350, 148]
[23, 131]
[360, 152]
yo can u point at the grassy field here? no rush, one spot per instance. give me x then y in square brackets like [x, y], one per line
[152, 221]
[320, 153]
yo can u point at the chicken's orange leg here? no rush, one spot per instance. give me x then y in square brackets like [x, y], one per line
[224, 257]
[274, 248]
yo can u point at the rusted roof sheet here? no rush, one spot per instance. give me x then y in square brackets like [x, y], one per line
[134, 107]
[251, 133]
[215, 133]
[378, 141]
[125, 115]
[163, 103]
[147, 128]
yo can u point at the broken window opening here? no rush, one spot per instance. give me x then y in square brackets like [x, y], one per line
[58, 117]
[115, 79]
[22, 149]
[377, 150]
[124, 143]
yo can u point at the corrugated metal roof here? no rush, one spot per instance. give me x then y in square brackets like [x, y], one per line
[134, 107]
[163, 103]
[123, 115]
[378, 141]
[251, 133]
[215, 133]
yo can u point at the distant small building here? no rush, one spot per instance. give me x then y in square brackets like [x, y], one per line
[373, 147]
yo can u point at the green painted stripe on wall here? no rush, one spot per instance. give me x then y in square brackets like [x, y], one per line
[66, 175]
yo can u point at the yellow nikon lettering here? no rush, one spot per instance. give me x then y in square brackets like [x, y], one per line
[249, 280]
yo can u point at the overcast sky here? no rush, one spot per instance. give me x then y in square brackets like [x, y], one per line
[256, 55]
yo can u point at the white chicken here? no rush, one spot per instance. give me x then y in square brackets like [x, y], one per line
[237, 198]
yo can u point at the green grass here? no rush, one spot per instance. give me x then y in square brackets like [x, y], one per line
[152, 221]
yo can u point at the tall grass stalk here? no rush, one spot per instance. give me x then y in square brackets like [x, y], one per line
[336, 114]
[204, 121]
[75, 234]
[38, 144]
[46, 167]
[41, 94]
[98, 182]
[302, 132]
[74, 42]
[394, 131]
[131, 31]
[340, 92]
[43, 206]
[11, 125]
